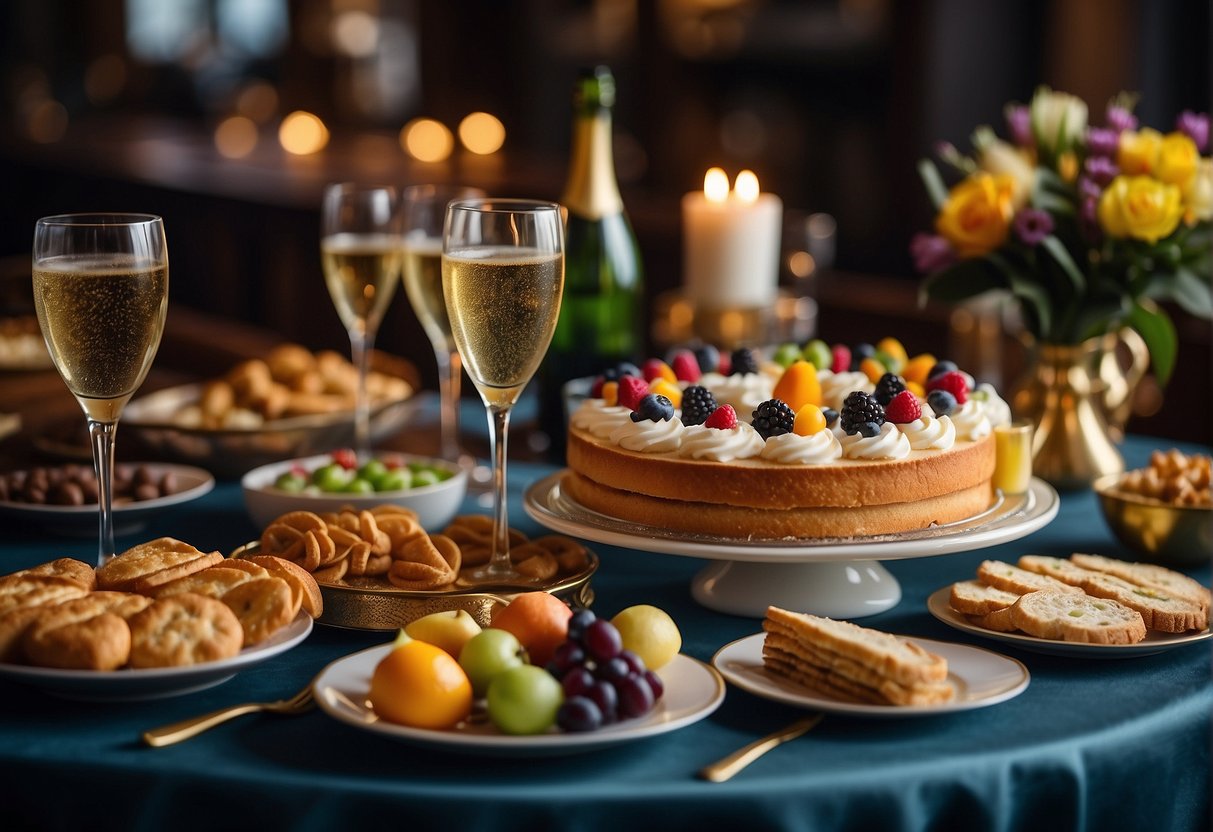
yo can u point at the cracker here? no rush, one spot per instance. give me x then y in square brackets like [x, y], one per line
[13, 625]
[124, 571]
[300, 580]
[184, 629]
[18, 591]
[70, 568]
[150, 583]
[101, 642]
[263, 606]
[212, 582]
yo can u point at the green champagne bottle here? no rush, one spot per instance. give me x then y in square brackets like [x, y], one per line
[601, 317]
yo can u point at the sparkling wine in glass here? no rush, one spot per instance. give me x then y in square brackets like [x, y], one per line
[502, 277]
[423, 213]
[101, 294]
[360, 254]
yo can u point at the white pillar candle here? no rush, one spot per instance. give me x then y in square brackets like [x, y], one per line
[730, 243]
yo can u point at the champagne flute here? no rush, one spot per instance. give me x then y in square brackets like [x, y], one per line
[101, 294]
[502, 277]
[360, 253]
[423, 212]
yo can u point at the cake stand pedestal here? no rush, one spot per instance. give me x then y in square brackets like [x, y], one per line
[839, 578]
[835, 589]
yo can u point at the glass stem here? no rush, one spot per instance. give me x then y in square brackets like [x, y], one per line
[361, 343]
[102, 436]
[450, 370]
[499, 564]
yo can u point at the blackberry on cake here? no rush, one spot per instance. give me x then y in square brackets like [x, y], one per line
[697, 405]
[859, 409]
[743, 361]
[890, 385]
[773, 418]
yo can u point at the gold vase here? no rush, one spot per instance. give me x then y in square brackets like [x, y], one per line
[1068, 394]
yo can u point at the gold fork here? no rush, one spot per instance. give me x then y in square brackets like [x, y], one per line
[192, 727]
[724, 769]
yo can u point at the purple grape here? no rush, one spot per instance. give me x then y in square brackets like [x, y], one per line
[577, 681]
[613, 670]
[602, 641]
[579, 713]
[580, 620]
[634, 662]
[603, 695]
[567, 656]
[635, 697]
[655, 683]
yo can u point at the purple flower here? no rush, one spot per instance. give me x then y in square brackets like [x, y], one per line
[1088, 188]
[931, 252]
[1195, 126]
[1019, 124]
[1032, 225]
[1101, 170]
[1121, 118]
[1088, 219]
[1102, 141]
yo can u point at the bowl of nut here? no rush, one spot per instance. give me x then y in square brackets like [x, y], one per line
[1163, 512]
[431, 488]
[292, 403]
[62, 499]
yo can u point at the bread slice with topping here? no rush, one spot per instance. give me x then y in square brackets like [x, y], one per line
[1077, 617]
[1158, 608]
[1147, 574]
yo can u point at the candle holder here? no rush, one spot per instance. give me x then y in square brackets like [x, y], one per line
[791, 318]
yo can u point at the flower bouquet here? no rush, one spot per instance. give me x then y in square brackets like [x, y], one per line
[1084, 226]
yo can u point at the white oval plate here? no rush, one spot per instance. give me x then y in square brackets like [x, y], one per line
[1010, 518]
[132, 685]
[692, 691]
[981, 678]
[1154, 642]
[129, 517]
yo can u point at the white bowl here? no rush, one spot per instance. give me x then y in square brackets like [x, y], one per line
[435, 504]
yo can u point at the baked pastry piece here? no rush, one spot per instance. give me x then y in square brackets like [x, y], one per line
[86, 633]
[1069, 616]
[184, 629]
[853, 663]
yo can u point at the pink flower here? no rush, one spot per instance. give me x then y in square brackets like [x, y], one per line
[1196, 127]
[1102, 141]
[1032, 225]
[1120, 118]
[931, 252]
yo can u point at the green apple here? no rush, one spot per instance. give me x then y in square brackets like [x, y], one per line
[488, 653]
[449, 629]
[524, 700]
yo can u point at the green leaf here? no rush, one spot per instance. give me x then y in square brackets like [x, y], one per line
[1192, 293]
[1055, 204]
[933, 182]
[960, 282]
[1062, 257]
[1034, 294]
[1156, 329]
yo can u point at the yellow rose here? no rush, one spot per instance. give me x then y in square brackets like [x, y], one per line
[1198, 195]
[998, 157]
[977, 215]
[1138, 152]
[1177, 158]
[1140, 207]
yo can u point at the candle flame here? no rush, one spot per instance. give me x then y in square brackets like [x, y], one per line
[716, 185]
[746, 186]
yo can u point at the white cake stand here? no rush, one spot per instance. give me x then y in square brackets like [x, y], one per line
[835, 577]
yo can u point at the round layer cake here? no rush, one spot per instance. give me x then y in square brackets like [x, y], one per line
[631, 463]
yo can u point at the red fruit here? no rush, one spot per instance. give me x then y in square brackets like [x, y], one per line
[596, 388]
[952, 381]
[631, 390]
[842, 359]
[655, 368]
[903, 408]
[722, 418]
[300, 471]
[726, 364]
[346, 458]
[685, 366]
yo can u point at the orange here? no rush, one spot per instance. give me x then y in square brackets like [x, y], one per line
[809, 420]
[537, 619]
[420, 685]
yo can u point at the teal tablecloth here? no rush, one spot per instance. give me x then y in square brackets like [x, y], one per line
[1100, 745]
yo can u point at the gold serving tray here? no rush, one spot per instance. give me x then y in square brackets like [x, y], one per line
[374, 604]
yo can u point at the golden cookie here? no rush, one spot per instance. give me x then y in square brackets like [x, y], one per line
[212, 582]
[127, 569]
[300, 580]
[184, 629]
[18, 591]
[70, 568]
[263, 605]
[428, 563]
[86, 633]
[150, 583]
